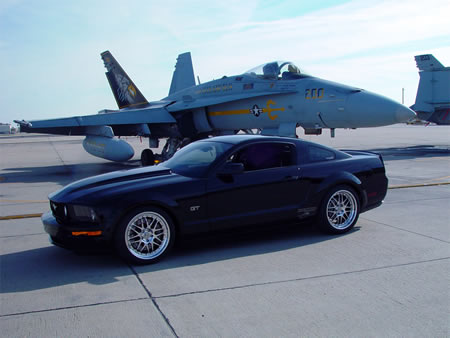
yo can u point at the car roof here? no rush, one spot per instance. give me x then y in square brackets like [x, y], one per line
[248, 138]
[240, 138]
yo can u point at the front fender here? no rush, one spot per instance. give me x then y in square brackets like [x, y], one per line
[134, 200]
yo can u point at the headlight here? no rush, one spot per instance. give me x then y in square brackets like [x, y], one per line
[84, 214]
[59, 210]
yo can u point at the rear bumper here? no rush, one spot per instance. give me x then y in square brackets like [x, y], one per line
[372, 206]
[63, 236]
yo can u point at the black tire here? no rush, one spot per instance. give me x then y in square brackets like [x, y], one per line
[339, 210]
[147, 157]
[144, 235]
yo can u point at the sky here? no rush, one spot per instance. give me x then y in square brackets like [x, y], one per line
[50, 49]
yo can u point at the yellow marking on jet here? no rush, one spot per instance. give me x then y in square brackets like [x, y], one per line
[229, 112]
[132, 90]
[267, 110]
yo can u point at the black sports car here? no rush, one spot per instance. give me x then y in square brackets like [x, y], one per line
[213, 184]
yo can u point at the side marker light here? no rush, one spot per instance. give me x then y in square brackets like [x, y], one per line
[86, 233]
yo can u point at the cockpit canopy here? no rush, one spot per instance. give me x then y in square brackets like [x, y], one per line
[278, 70]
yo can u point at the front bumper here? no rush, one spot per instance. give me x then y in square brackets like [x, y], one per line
[72, 237]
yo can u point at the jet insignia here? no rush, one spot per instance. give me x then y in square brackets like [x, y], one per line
[256, 110]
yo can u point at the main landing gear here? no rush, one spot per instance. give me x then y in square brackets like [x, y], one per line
[147, 157]
[172, 145]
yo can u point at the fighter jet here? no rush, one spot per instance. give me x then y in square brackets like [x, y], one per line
[272, 99]
[433, 93]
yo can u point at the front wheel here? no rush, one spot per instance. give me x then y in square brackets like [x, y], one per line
[339, 211]
[145, 235]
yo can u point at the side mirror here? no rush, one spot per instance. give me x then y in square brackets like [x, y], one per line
[231, 168]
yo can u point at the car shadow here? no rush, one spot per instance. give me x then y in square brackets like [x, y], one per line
[50, 266]
[251, 241]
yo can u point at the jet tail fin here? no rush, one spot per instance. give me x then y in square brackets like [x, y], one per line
[125, 91]
[428, 62]
[433, 93]
[183, 75]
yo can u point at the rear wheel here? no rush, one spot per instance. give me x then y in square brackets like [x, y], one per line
[145, 235]
[339, 211]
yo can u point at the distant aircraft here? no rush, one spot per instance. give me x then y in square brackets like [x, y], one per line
[272, 99]
[433, 93]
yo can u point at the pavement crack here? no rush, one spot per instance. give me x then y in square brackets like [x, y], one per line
[69, 307]
[301, 279]
[57, 153]
[25, 235]
[153, 299]
[408, 231]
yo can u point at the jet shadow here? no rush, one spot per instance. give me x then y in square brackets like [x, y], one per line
[412, 152]
[62, 174]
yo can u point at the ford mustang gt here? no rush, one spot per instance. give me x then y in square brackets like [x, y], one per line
[212, 184]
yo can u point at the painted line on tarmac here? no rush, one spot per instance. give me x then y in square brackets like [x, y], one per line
[5, 218]
[421, 185]
[22, 201]
[405, 186]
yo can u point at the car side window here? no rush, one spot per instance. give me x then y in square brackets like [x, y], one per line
[316, 154]
[265, 156]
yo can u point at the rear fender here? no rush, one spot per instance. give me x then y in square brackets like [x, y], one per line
[345, 178]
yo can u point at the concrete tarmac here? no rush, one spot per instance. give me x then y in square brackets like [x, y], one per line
[390, 276]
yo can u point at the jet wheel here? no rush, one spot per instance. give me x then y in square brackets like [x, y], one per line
[147, 157]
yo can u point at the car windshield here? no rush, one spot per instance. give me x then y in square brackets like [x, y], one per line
[278, 70]
[195, 159]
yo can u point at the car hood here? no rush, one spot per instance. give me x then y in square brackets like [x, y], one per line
[97, 187]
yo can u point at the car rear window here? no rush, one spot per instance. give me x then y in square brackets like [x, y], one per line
[265, 156]
[316, 154]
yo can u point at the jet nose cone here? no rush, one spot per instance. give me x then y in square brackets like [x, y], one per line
[368, 109]
[404, 114]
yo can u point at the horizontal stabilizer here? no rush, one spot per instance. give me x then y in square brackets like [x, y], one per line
[125, 91]
[183, 75]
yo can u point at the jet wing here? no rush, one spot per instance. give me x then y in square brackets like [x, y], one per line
[78, 125]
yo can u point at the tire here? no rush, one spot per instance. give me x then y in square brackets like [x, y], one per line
[147, 157]
[339, 210]
[145, 235]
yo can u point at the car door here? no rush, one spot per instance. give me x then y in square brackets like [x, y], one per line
[268, 187]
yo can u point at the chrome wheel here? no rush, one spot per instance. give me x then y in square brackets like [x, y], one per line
[147, 235]
[342, 209]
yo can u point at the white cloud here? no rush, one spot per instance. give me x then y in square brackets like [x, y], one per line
[52, 48]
